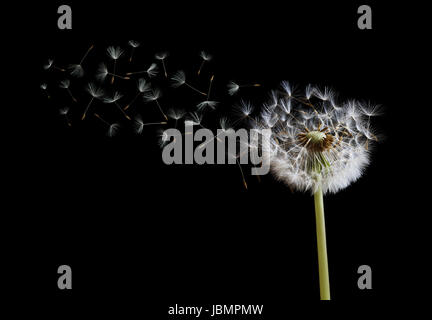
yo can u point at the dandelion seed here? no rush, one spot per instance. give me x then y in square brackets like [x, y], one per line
[195, 118]
[164, 138]
[244, 110]
[143, 86]
[205, 57]
[134, 44]
[234, 87]
[162, 56]
[207, 104]
[116, 96]
[64, 112]
[103, 72]
[77, 69]
[50, 65]
[176, 115]
[320, 147]
[179, 79]
[152, 71]
[65, 85]
[44, 87]
[154, 95]
[112, 127]
[139, 124]
[114, 53]
[95, 92]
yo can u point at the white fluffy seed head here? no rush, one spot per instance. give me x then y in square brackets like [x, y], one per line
[207, 104]
[232, 88]
[178, 79]
[143, 85]
[161, 55]
[48, 64]
[153, 95]
[115, 97]
[112, 130]
[94, 91]
[152, 70]
[76, 70]
[133, 43]
[205, 56]
[64, 84]
[316, 141]
[114, 52]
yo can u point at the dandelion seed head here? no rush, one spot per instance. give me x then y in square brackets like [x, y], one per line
[143, 85]
[76, 70]
[205, 56]
[176, 114]
[152, 70]
[314, 144]
[113, 129]
[102, 72]
[195, 118]
[153, 95]
[139, 124]
[161, 55]
[163, 137]
[64, 84]
[64, 111]
[232, 88]
[207, 104]
[178, 79]
[115, 97]
[94, 91]
[133, 43]
[48, 64]
[114, 52]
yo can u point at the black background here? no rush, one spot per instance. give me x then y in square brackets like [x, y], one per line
[140, 235]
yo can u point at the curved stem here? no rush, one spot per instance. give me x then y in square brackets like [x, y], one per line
[321, 245]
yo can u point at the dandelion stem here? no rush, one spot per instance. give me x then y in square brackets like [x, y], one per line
[321, 245]
[195, 89]
[163, 65]
[160, 108]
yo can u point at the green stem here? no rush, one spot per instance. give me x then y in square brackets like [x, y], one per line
[321, 245]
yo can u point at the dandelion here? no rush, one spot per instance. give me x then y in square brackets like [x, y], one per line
[176, 115]
[44, 87]
[95, 92]
[64, 112]
[163, 138]
[50, 65]
[77, 69]
[317, 145]
[195, 119]
[103, 72]
[154, 95]
[234, 87]
[139, 124]
[151, 71]
[179, 79]
[162, 56]
[134, 44]
[205, 57]
[143, 86]
[115, 97]
[112, 127]
[208, 103]
[65, 85]
[114, 53]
